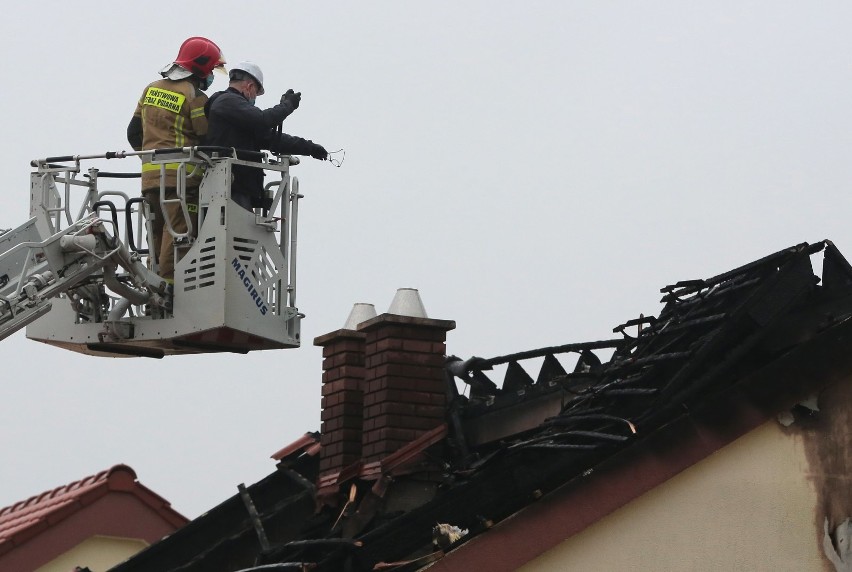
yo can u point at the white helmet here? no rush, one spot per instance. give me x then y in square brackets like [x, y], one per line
[251, 69]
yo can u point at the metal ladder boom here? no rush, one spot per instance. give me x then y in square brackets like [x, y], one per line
[34, 271]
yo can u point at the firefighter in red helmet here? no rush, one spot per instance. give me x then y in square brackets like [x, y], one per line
[170, 113]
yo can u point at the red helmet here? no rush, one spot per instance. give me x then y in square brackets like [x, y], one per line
[199, 55]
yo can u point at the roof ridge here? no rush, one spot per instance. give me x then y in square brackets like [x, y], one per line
[66, 489]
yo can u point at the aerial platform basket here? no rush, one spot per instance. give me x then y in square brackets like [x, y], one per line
[234, 284]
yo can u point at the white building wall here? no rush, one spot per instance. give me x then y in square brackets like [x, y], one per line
[751, 506]
[98, 553]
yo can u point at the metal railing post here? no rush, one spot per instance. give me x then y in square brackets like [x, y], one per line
[294, 223]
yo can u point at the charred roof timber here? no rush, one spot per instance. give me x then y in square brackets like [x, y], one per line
[500, 446]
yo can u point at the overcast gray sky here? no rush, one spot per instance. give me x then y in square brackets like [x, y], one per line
[537, 169]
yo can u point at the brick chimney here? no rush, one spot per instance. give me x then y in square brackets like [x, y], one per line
[383, 383]
[342, 392]
[404, 384]
[342, 398]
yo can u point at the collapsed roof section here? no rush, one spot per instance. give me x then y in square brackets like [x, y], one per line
[709, 333]
[499, 448]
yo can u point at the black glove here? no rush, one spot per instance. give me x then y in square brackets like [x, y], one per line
[292, 97]
[319, 152]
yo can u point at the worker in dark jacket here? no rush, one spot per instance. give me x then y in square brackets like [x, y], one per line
[235, 122]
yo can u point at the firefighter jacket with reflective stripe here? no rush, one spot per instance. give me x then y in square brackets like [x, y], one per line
[172, 115]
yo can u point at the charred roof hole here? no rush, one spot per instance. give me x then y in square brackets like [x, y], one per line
[802, 411]
[445, 535]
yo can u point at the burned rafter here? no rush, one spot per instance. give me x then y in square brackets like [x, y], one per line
[676, 326]
[633, 391]
[573, 439]
[553, 350]
[638, 322]
[309, 550]
[298, 566]
[598, 418]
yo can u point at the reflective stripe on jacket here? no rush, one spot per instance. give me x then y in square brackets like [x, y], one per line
[172, 115]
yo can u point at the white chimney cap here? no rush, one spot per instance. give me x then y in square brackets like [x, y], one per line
[407, 302]
[361, 312]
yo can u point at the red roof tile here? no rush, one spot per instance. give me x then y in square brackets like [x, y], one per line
[25, 519]
[307, 443]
